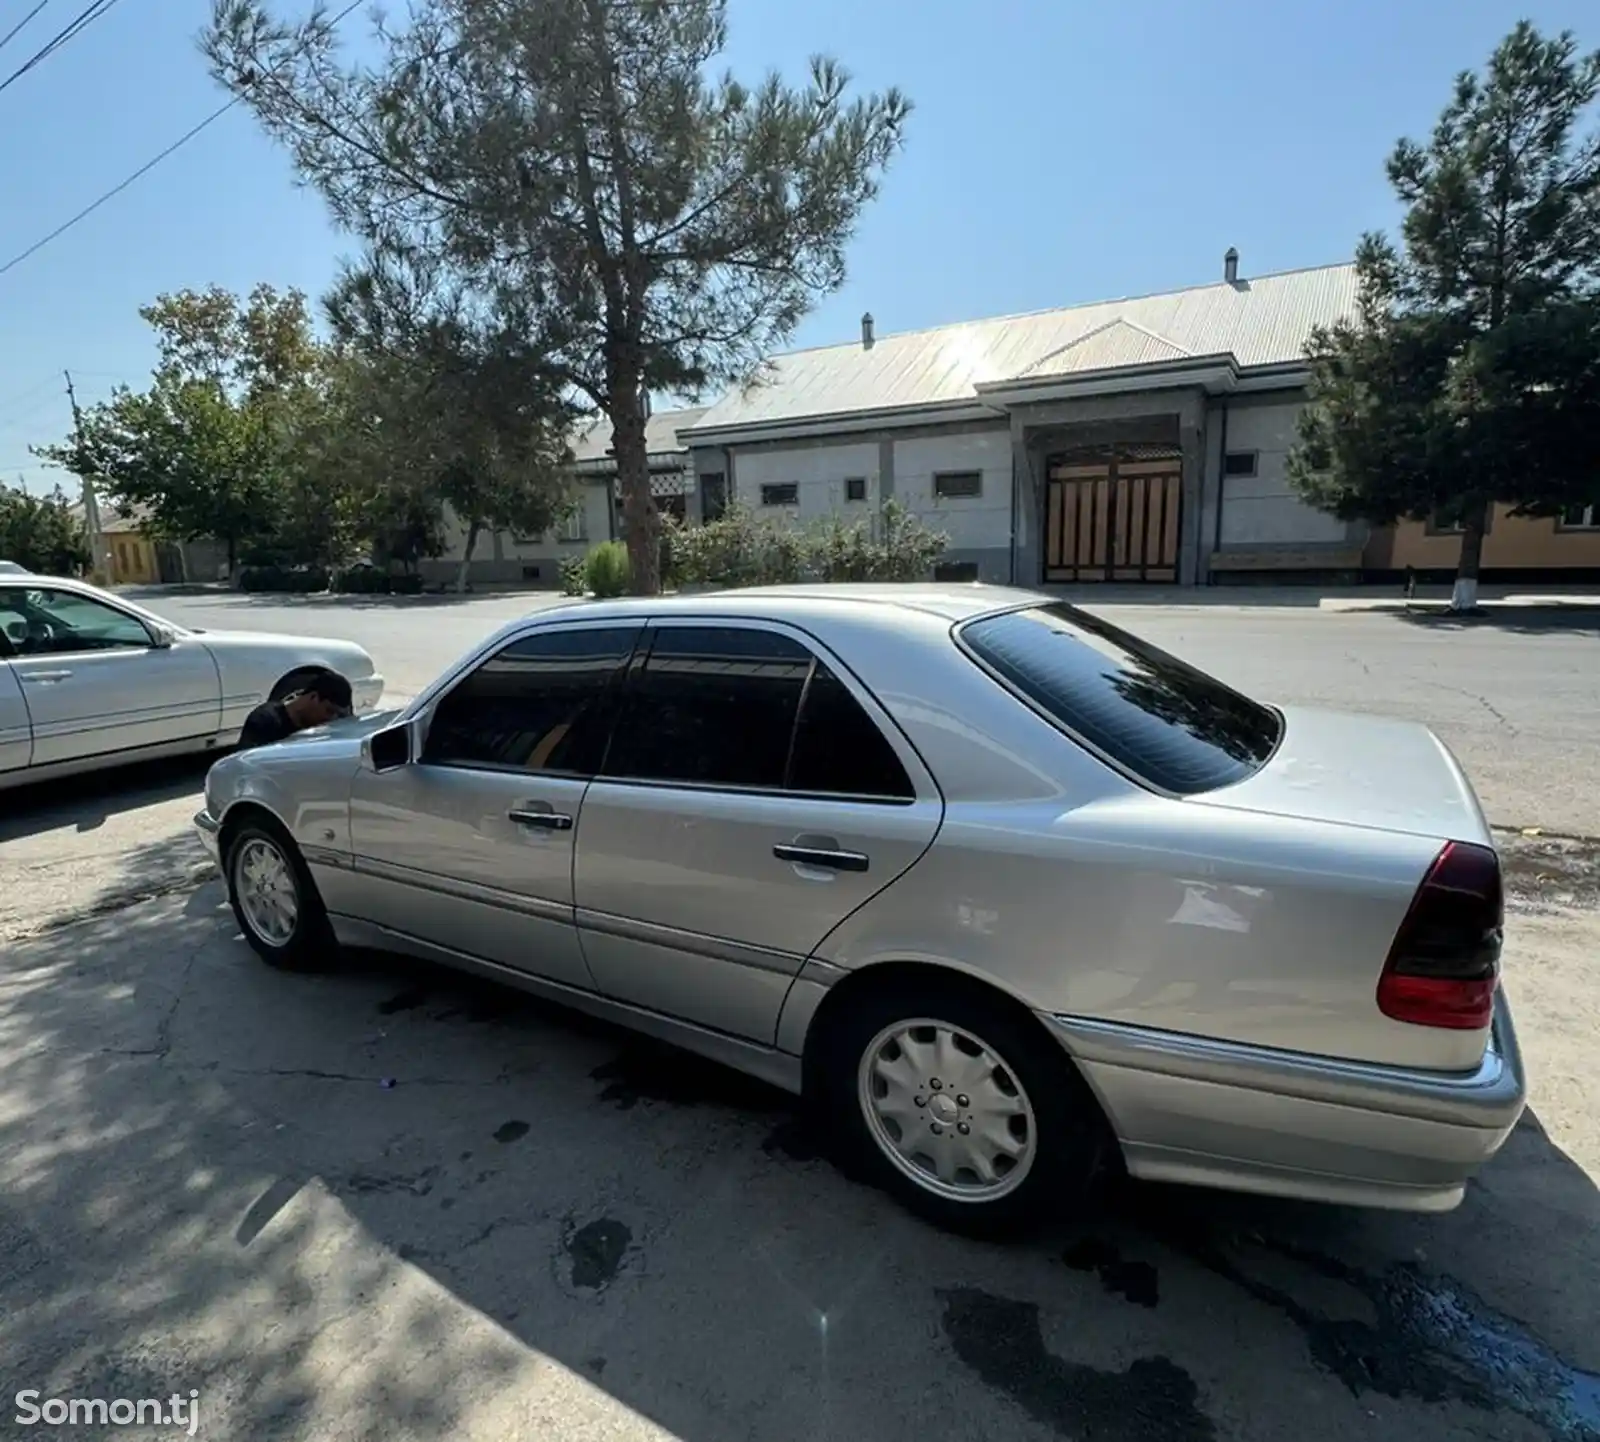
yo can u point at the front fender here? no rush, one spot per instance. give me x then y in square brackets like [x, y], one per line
[309, 799]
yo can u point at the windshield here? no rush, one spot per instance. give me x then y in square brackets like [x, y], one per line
[1158, 718]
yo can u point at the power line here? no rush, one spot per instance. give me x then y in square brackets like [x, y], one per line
[144, 169]
[10, 34]
[80, 22]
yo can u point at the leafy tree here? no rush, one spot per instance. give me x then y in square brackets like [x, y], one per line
[41, 533]
[458, 411]
[641, 229]
[203, 452]
[1471, 373]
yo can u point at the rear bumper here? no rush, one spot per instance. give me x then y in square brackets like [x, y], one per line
[1213, 1113]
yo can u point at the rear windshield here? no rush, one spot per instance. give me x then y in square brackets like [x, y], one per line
[1165, 723]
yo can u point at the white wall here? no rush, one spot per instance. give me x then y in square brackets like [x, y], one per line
[596, 528]
[820, 473]
[980, 522]
[1261, 509]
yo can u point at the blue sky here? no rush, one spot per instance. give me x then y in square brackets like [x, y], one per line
[1061, 151]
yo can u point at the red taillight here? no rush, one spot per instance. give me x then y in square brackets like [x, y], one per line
[1444, 965]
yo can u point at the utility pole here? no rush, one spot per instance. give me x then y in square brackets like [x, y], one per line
[99, 551]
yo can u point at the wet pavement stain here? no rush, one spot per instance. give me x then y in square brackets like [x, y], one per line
[1154, 1400]
[1137, 1282]
[650, 1071]
[793, 1139]
[1432, 1339]
[597, 1250]
[408, 1000]
[510, 1131]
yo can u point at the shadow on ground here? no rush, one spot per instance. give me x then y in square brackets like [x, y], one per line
[389, 1202]
[86, 803]
[1526, 620]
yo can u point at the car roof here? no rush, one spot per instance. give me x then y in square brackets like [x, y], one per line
[870, 601]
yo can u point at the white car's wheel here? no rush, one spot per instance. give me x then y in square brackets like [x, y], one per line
[274, 899]
[953, 1099]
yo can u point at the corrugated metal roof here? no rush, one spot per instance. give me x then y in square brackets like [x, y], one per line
[660, 434]
[1263, 320]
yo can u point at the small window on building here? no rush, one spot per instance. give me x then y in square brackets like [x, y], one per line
[1581, 518]
[958, 485]
[956, 571]
[530, 573]
[782, 493]
[1239, 463]
[855, 488]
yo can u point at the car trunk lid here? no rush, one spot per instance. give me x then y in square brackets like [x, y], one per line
[1366, 771]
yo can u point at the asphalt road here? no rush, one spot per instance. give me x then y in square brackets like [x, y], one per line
[390, 1203]
[1516, 696]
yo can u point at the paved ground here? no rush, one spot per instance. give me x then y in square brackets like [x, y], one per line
[1515, 694]
[388, 1203]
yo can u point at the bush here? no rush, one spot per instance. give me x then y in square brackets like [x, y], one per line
[744, 549]
[363, 581]
[606, 569]
[575, 576]
[410, 584]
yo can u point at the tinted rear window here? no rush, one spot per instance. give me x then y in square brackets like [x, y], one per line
[1164, 722]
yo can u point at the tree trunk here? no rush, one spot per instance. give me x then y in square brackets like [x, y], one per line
[638, 506]
[1473, 524]
[466, 558]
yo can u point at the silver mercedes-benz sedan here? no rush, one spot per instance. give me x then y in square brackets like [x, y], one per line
[1007, 893]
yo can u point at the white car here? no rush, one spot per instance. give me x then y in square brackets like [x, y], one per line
[11, 568]
[89, 680]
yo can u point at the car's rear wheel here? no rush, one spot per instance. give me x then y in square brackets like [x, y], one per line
[951, 1098]
[275, 901]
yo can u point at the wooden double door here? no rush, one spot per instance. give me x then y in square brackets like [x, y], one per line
[1113, 519]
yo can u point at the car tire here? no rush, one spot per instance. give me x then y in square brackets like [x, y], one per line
[1025, 1107]
[275, 900]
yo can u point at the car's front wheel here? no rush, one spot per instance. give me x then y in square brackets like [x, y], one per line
[275, 901]
[953, 1099]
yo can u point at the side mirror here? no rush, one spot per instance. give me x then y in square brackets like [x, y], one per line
[162, 637]
[391, 748]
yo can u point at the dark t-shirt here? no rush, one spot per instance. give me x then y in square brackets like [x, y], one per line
[266, 724]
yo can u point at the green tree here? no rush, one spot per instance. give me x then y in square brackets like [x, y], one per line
[458, 411]
[204, 451]
[41, 533]
[1471, 373]
[642, 228]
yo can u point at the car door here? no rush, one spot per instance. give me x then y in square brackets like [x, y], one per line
[16, 733]
[752, 796]
[97, 683]
[470, 848]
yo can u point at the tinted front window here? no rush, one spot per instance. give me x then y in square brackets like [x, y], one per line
[540, 704]
[712, 706]
[838, 748]
[1168, 724]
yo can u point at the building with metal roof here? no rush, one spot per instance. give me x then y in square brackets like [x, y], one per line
[1134, 439]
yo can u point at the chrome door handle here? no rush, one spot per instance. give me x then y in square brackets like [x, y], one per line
[545, 820]
[821, 856]
[36, 677]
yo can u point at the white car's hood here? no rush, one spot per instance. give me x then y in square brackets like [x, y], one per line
[272, 641]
